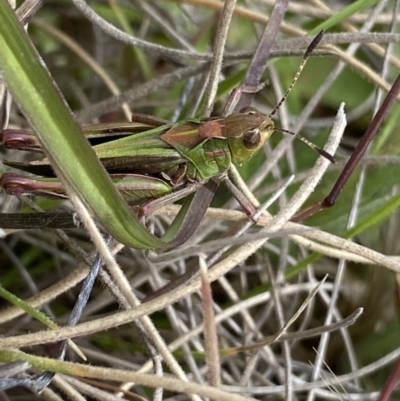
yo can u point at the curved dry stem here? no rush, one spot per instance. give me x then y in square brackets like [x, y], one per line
[119, 375]
[311, 238]
[218, 50]
[130, 301]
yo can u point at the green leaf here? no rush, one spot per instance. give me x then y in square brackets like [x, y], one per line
[343, 14]
[71, 155]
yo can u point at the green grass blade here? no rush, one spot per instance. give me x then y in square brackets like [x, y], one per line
[343, 14]
[72, 158]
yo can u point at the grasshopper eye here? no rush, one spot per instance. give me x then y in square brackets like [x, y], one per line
[252, 139]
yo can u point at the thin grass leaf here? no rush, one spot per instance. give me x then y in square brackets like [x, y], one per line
[72, 158]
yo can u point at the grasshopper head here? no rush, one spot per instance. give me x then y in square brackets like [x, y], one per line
[247, 132]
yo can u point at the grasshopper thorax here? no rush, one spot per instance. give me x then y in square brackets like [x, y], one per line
[247, 132]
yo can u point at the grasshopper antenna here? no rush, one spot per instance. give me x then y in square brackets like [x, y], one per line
[307, 54]
[313, 146]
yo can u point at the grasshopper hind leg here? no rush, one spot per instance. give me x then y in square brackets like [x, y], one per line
[150, 207]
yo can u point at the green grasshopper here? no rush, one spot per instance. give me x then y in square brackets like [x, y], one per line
[153, 162]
